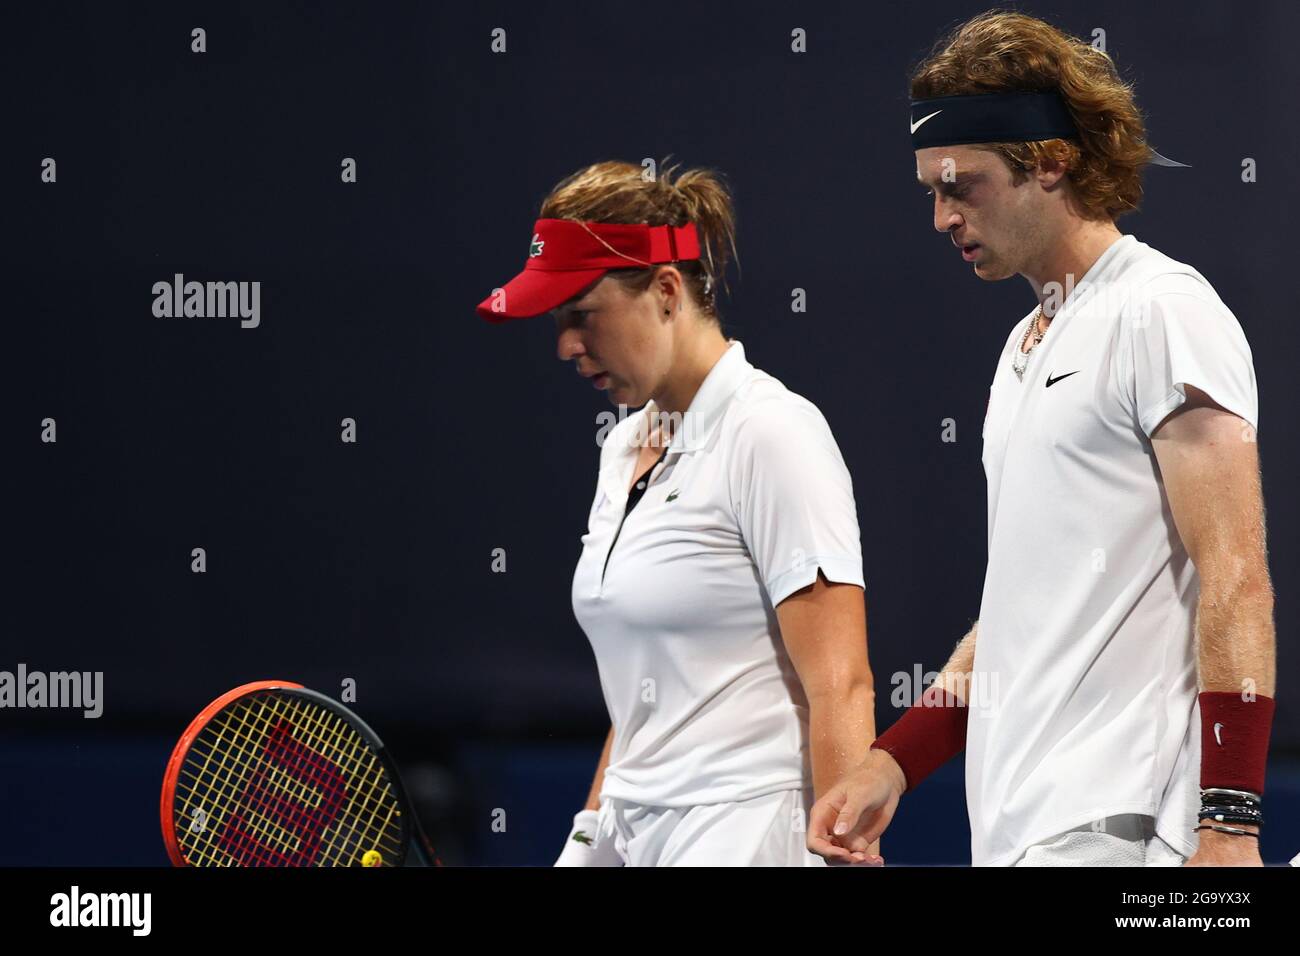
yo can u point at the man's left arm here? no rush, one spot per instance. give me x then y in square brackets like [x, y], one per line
[1209, 461]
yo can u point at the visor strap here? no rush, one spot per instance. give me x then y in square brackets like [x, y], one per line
[612, 249]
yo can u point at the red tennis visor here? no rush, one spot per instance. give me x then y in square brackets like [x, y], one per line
[566, 256]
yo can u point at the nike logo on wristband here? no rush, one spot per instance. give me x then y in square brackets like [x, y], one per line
[1217, 739]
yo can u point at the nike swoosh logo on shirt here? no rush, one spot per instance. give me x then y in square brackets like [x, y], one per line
[1052, 381]
[917, 125]
[1217, 739]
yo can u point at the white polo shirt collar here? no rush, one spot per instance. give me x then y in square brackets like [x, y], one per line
[715, 393]
[699, 421]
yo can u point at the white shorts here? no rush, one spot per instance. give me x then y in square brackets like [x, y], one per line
[1126, 840]
[770, 830]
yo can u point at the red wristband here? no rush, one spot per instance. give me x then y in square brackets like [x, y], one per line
[1234, 740]
[932, 732]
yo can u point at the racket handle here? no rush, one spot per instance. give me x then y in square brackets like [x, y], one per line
[422, 852]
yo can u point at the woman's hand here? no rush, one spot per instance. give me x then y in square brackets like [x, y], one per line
[845, 825]
[585, 846]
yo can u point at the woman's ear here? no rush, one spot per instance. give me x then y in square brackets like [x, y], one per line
[670, 287]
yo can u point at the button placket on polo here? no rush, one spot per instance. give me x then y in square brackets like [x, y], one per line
[633, 499]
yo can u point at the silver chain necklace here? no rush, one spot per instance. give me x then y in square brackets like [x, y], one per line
[1020, 361]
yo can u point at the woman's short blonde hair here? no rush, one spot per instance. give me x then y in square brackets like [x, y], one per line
[621, 192]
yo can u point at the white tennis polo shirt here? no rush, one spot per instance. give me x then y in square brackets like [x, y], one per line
[751, 498]
[1084, 685]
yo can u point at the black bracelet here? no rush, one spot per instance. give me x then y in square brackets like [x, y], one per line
[1236, 810]
[1235, 814]
[1233, 794]
[1228, 808]
[1233, 830]
[1237, 798]
[1230, 818]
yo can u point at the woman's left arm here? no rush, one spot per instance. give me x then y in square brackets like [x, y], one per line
[824, 627]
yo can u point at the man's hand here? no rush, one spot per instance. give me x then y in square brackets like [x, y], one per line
[1227, 849]
[849, 819]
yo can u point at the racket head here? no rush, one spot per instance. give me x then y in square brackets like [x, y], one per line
[274, 774]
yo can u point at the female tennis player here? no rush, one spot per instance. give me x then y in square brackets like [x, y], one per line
[720, 581]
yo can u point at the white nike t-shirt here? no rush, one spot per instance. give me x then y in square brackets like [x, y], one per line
[1084, 685]
[751, 499]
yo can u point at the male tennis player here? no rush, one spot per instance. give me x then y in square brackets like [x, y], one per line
[1126, 557]
[720, 580]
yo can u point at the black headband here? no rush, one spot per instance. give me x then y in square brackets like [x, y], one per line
[990, 118]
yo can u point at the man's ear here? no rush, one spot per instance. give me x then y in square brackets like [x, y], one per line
[1051, 171]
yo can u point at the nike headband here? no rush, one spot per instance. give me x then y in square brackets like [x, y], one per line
[566, 256]
[990, 118]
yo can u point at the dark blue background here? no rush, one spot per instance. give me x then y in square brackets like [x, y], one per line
[372, 561]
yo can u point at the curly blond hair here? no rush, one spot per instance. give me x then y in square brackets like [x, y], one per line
[1003, 52]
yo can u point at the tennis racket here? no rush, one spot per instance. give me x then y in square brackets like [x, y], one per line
[274, 774]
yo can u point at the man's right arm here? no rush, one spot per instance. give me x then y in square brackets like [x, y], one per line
[934, 729]
[955, 676]
[855, 812]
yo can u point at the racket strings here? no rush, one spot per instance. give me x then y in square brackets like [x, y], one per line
[268, 803]
[233, 776]
[314, 730]
[349, 761]
[280, 781]
[234, 768]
